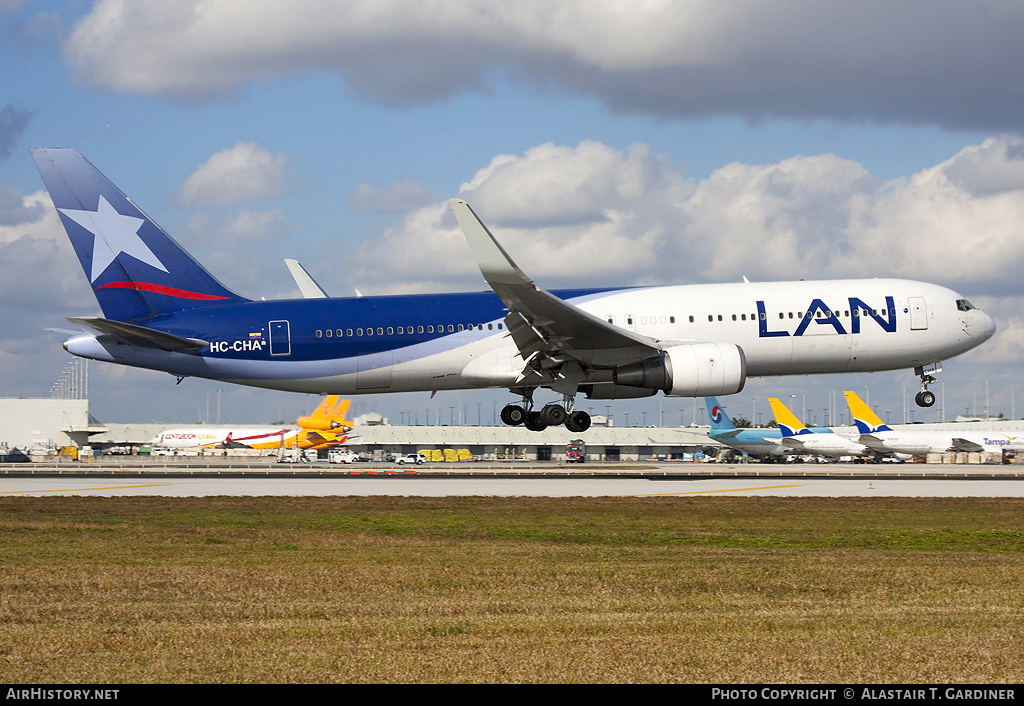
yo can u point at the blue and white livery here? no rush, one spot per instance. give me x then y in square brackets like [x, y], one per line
[163, 311]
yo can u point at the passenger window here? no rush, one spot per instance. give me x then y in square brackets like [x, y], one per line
[319, 333]
[391, 331]
[329, 333]
[359, 332]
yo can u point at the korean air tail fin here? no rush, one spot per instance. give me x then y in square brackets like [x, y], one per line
[719, 419]
[788, 422]
[135, 269]
[329, 416]
[866, 420]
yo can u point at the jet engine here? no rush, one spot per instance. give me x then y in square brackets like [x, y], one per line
[691, 370]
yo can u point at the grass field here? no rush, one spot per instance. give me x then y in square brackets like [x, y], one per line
[125, 590]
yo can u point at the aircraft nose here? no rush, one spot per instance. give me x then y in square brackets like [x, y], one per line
[984, 325]
[989, 326]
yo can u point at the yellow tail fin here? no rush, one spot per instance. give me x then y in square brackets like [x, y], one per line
[863, 416]
[328, 416]
[787, 421]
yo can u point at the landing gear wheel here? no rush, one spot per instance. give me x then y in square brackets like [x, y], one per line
[924, 398]
[578, 422]
[553, 415]
[533, 422]
[513, 415]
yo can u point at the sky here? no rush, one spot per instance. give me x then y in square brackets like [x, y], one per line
[605, 144]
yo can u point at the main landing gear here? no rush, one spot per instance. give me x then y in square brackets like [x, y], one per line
[926, 398]
[550, 415]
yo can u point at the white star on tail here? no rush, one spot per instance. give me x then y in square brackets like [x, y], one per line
[114, 234]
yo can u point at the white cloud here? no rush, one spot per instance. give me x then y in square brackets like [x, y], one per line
[394, 198]
[246, 172]
[592, 215]
[934, 61]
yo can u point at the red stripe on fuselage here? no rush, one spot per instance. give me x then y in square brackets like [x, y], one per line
[160, 289]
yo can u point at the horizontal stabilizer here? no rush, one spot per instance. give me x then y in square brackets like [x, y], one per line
[967, 445]
[141, 336]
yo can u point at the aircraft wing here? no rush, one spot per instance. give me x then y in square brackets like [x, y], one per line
[140, 335]
[540, 322]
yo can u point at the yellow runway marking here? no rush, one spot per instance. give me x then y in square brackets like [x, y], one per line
[723, 490]
[76, 490]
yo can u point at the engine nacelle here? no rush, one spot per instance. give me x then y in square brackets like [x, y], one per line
[615, 392]
[692, 370]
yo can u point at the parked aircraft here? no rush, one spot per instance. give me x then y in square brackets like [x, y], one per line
[756, 442]
[163, 311]
[919, 442]
[325, 427]
[798, 437]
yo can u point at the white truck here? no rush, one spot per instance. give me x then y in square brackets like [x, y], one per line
[341, 456]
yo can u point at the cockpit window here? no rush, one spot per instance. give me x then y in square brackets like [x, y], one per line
[964, 305]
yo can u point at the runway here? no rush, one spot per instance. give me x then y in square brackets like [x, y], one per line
[167, 483]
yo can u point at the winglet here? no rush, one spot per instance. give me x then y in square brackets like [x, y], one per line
[788, 422]
[305, 282]
[866, 420]
[495, 264]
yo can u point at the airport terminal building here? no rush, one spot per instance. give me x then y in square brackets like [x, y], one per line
[39, 426]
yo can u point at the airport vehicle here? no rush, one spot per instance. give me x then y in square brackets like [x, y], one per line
[756, 442]
[576, 451]
[417, 459]
[163, 311]
[798, 437]
[878, 435]
[324, 428]
[338, 455]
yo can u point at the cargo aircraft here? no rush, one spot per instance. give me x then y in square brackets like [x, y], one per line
[756, 442]
[163, 311]
[879, 436]
[324, 428]
[803, 440]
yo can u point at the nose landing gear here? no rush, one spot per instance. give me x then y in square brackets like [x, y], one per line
[926, 398]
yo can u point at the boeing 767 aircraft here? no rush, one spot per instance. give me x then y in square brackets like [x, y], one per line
[163, 311]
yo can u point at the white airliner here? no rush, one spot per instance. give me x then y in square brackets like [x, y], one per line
[799, 438]
[164, 311]
[324, 428]
[919, 442]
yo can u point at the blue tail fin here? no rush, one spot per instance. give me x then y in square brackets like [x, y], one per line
[719, 419]
[135, 269]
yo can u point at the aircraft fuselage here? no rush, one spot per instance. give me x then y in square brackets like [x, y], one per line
[459, 341]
